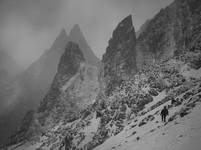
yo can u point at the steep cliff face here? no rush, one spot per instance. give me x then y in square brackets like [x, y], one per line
[195, 11]
[119, 61]
[74, 87]
[172, 30]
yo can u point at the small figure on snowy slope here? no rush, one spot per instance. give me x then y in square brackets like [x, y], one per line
[164, 114]
[67, 142]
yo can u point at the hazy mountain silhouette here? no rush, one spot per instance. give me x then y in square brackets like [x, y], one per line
[29, 88]
[77, 36]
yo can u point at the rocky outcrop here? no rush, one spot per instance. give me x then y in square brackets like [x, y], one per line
[74, 87]
[29, 127]
[170, 32]
[119, 61]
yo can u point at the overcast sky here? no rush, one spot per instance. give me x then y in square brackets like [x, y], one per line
[28, 27]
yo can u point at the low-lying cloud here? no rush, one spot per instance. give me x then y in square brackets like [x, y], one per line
[28, 27]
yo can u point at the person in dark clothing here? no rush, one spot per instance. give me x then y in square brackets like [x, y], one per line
[164, 114]
[68, 141]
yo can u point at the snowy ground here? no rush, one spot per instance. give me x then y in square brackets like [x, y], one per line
[189, 72]
[180, 134]
[25, 147]
[183, 134]
[90, 130]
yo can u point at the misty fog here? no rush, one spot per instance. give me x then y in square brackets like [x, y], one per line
[28, 27]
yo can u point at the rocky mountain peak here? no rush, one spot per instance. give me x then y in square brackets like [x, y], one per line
[77, 36]
[61, 40]
[71, 59]
[125, 26]
[68, 66]
[75, 29]
[123, 35]
[72, 74]
[119, 61]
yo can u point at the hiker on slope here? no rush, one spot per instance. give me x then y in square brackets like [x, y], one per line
[164, 113]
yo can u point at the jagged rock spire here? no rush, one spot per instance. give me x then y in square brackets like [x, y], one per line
[124, 30]
[119, 61]
[77, 36]
[60, 41]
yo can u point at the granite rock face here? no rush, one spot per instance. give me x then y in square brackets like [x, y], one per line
[174, 29]
[119, 61]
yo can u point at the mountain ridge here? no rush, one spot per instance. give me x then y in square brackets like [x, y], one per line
[77, 36]
[29, 87]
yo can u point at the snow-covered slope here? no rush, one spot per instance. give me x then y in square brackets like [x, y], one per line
[180, 134]
[130, 118]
